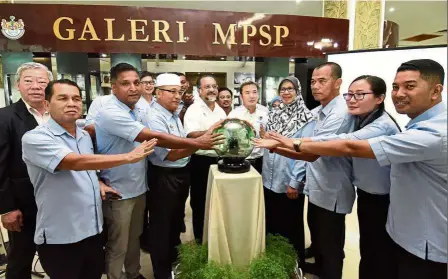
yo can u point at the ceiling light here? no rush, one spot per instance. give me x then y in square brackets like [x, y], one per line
[318, 45]
[392, 9]
[335, 45]
[310, 43]
[184, 57]
[103, 55]
[291, 60]
[53, 55]
[325, 40]
[222, 58]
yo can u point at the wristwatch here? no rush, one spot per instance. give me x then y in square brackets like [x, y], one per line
[296, 144]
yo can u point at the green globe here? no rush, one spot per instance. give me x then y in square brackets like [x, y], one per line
[238, 142]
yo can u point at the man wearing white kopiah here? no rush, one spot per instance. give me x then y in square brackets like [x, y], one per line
[255, 114]
[168, 178]
[200, 116]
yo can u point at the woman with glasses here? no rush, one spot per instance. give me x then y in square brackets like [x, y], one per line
[283, 178]
[365, 100]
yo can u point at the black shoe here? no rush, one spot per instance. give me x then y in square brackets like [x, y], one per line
[309, 253]
[311, 268]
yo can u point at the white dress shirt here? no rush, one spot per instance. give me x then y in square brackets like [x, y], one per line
[40, 118]
[258, 118]
[199, 117]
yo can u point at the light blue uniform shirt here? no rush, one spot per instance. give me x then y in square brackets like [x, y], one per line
[279, 172]
[180, 107]
[417, 219]
[68, 202]
[144, 108]
[116, 127]
[161, 120]
[95, 107]
[329, 179]
[368, 175]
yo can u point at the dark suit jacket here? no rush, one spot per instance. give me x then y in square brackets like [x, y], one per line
[16, 190]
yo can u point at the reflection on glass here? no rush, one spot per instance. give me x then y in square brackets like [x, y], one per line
[238, 142]
[12, 94]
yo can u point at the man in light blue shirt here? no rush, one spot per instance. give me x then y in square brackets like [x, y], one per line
[168, 179]
[119, 128]
[328, 180]
[417, 218]
[94, 108]
[60, 162]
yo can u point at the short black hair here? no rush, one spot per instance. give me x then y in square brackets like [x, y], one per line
[49, 89]
[120, 68]
[144, 74]
[198, 82]
[430, 70]
[247, 83]
[225, 89]
[336, 70]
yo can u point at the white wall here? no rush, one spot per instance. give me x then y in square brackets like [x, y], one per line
[2, 97]
[385, 64]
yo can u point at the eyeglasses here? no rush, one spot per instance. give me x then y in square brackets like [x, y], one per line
[147, 82]
[289, 89]
[172, 91]
[358, 96]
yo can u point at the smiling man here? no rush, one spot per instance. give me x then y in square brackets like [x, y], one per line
[202, 115]
[118, 128]
[417, 214]
[61, 165]
[17, 203]
[225, 99]
[168, 179]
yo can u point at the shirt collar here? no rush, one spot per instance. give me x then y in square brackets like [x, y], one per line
[166, 113]
[29, 108]
[58, 130]
[121, 105]
[331, 105]
[430, 113]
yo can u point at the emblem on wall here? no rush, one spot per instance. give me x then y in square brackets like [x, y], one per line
[13, 29]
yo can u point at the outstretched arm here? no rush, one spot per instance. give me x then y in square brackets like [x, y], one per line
[339, 148]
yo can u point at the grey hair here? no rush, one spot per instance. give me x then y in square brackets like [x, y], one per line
[29, 66]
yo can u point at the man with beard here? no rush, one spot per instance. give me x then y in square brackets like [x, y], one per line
[225, 97]
[202, 115]
[187, 97]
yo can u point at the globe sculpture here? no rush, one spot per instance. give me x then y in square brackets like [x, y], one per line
[236, 147]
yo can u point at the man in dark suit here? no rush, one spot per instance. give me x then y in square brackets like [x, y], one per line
[17, 203]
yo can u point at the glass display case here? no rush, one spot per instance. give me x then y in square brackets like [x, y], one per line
[12, 94]
[269, 87]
